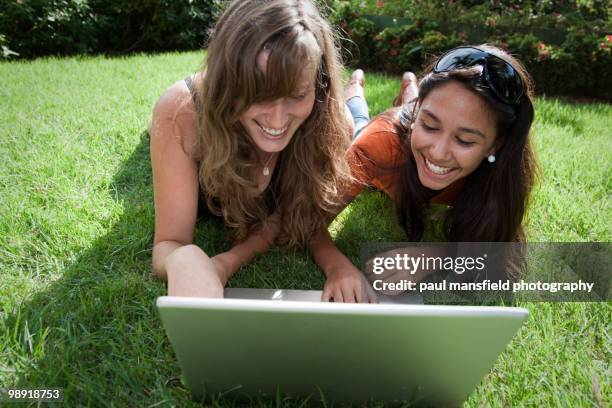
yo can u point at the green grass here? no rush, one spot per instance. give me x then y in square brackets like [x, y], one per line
[76, 226]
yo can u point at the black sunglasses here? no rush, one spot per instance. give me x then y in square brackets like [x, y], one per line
[502, 78]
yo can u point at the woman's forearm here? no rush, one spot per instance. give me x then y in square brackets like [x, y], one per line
[229, 262]
[190, 272]
[258, 241]
[161, 250]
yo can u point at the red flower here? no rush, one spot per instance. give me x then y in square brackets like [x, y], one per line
[380, 4]
[609, 38]
[543, 51]
[393, 52]
[395, 41]
[543, 55]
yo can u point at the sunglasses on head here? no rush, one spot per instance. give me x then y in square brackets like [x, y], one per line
[502, 78]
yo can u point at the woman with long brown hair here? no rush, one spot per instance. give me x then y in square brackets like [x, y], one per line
[455, 157]
[258, 136]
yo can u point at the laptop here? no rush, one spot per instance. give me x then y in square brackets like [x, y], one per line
[267, 341]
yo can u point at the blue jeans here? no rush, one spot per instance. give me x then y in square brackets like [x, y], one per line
[361, 115]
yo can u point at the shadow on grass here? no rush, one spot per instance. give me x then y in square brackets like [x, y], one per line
[95, 331]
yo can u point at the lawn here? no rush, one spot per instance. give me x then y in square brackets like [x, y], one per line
[76, 228]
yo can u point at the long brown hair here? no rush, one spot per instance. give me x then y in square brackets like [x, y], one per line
[494, 197]
[312, 167]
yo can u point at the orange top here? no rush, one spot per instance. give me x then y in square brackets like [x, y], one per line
[376, 159]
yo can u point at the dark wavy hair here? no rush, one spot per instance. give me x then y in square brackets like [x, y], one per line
[492, 203]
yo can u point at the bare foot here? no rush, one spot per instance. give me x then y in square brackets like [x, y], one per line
[408, 89]
[355, 85]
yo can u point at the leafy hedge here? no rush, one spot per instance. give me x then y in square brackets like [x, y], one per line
[566, 53]
[32, 28]
[566, 45]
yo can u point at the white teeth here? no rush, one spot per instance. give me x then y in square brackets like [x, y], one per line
[437, 169]
[274, 132]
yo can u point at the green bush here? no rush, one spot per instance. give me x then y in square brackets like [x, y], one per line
[578, 66]
[34, 28]
[362, 52]
[397, 47]
[6, 51]
[567, 53]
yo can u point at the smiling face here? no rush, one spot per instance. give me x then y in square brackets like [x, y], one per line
[453, 133]
[272, 124]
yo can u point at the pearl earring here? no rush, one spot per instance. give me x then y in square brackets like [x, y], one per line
[491, 158]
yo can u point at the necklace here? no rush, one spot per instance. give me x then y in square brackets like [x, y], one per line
[266, 169]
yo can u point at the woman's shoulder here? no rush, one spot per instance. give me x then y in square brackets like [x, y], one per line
[175, 99]
[175, 117]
